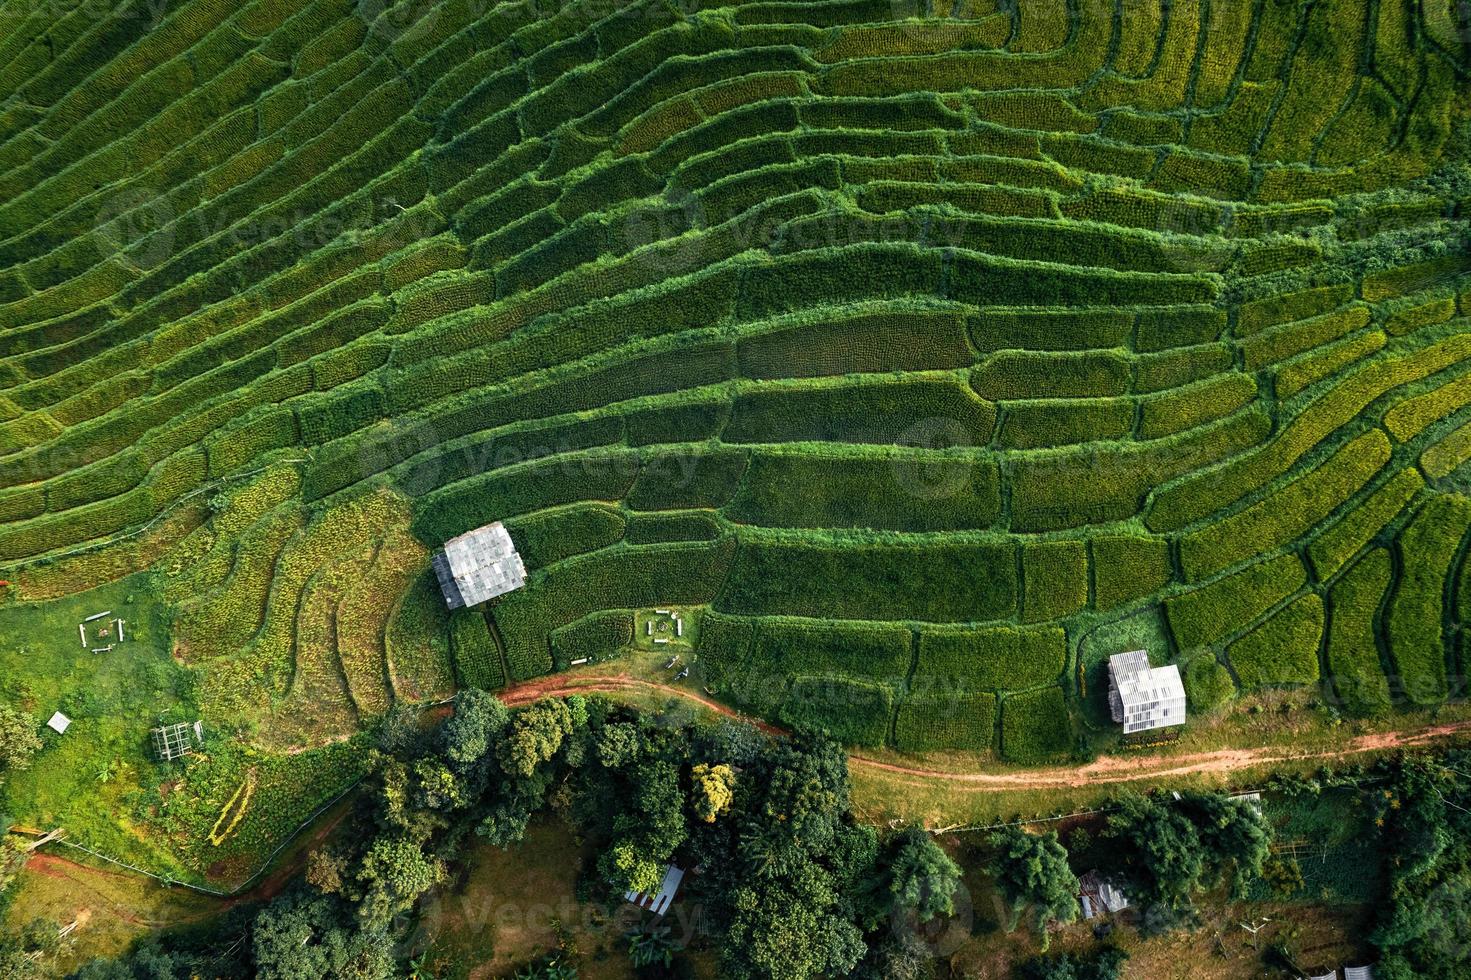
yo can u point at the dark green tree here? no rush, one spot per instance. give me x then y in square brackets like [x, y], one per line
[1032, 870]
[919, 878]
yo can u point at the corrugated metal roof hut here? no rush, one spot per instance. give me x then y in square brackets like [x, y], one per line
[659, 901]
[478, 565]
[1142, 697]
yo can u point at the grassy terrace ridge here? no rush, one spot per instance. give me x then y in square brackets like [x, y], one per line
[920, 359]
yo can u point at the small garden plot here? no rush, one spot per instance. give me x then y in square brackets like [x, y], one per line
[1036, 726]
[593, 638]
[1282, 650]
[936, 722]
[855, 712]
[1332, 838]
[88, 779]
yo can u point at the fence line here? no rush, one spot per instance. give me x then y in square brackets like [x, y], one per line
[965, 829]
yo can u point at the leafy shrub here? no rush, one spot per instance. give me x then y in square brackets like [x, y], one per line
[1208, 685]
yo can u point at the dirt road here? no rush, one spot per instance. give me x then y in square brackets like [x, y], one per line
[1105, 769]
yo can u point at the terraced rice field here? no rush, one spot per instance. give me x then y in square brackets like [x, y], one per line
[899, 341]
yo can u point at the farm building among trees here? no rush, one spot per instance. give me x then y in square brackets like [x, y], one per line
[1142, 697]
[478, 565]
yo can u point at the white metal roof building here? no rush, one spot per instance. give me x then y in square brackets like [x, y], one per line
[1142, 697]
[59, 723]
[659, 902]
[478, 565]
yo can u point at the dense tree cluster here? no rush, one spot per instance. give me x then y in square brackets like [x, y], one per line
[1174, 848]
[1425, 924]
[791, 884]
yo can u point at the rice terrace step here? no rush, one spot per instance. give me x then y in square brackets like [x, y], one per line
[876, 369]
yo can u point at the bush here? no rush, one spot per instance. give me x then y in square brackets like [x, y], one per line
[1282, 650]
[1035, 726]
[1208, 685]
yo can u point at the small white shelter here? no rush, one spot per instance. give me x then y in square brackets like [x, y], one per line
[659, 902]
[1142, 697]
[59, 723]
[1358, 973]
[478, 565]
